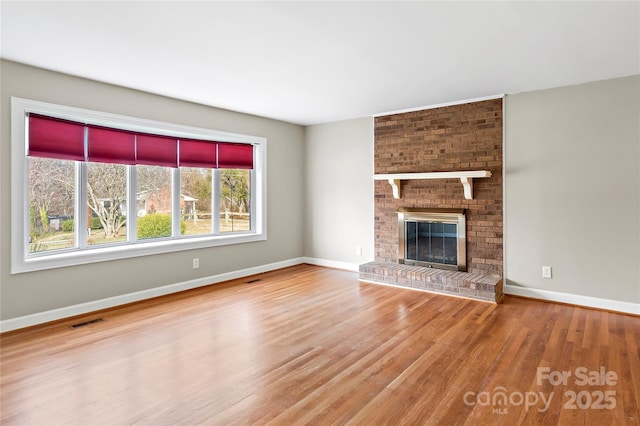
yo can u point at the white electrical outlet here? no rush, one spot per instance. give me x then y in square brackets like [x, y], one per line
[358, 251]
[546, 272]
[196, 262]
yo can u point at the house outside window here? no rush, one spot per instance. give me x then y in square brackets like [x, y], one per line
[89, 186]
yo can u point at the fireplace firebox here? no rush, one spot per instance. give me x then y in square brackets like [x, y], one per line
[434, 238]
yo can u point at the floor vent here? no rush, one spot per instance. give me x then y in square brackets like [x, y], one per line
[253, 281]
[83, 324]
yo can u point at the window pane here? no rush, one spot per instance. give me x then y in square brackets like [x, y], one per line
[154, 201]
[107, 201]
[195, 200]
[235, 196]
[51, 204]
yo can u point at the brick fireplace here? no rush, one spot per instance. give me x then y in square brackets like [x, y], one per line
[455, 138]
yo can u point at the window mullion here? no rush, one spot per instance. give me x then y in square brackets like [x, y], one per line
[215, 201]
[132, 204]
[82, 210]
[175, 202]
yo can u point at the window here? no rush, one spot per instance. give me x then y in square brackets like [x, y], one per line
[90, 186]
[235, 200]
[106, 203]
[196, 198]
[51, 203]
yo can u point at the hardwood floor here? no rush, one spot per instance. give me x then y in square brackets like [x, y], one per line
[310, 345]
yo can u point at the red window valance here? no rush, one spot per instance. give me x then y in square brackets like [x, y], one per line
[196, 153]
[235, 156]
[54, 138]
[111, 146]
[63, 139]
[155, 150]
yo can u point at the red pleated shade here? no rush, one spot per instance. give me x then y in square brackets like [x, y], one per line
[54, 138]
[111, 145]
[63, 139]
[235, 156]
[156, 150]
[197, 153]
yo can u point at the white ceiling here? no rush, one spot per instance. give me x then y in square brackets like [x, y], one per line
[315, 62]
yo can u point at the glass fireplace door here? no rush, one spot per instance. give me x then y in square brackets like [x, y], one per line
[431, 242]
[433, 238]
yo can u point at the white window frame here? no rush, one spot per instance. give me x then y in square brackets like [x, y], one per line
[22, 261]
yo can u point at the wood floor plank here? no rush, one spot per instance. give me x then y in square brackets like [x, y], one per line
[312, 345]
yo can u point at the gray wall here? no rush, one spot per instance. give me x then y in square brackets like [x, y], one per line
[572, 158]
[339, 191]
[28, 293]
[572, 196]
[572, 161]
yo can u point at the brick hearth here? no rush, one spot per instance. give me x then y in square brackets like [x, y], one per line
[472, 285]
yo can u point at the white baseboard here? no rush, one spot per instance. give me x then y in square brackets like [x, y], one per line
[332, 264]
[83, 308]
[110, 302]
[574, 299]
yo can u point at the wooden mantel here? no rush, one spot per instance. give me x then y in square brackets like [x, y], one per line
[466, 178]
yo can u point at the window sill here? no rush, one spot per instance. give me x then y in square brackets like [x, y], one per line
[122, 251]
